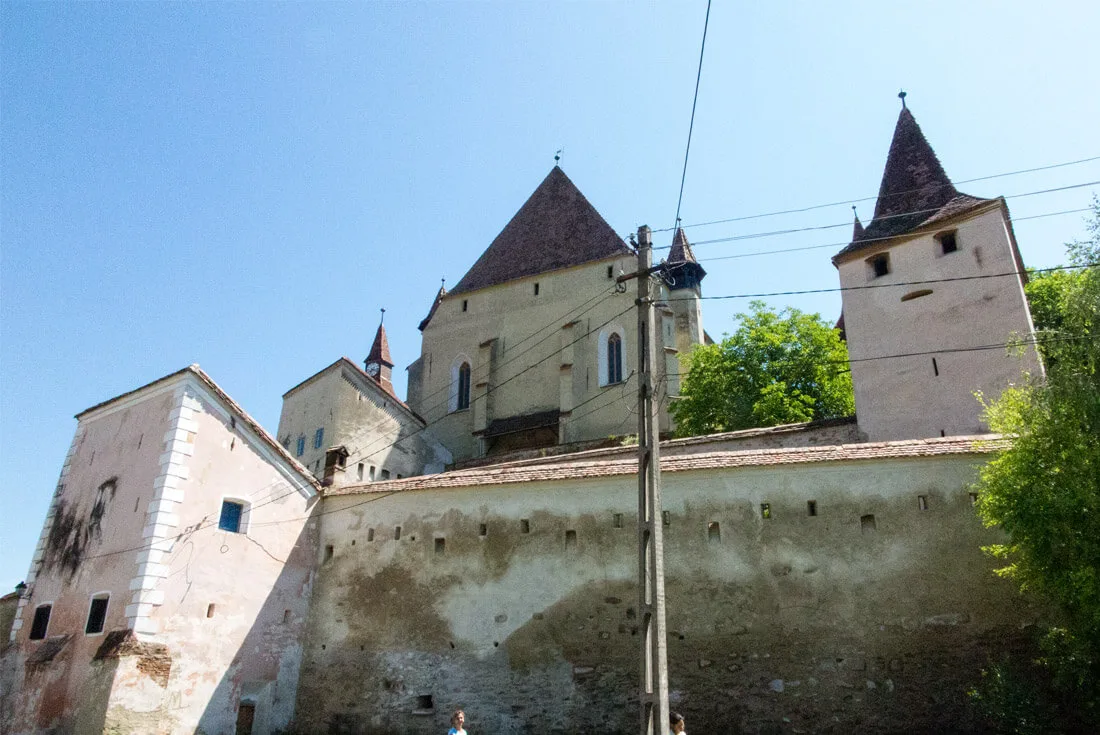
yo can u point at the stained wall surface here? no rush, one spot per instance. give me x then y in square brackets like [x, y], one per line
[873, 612]
[919, 351]
[199, 619]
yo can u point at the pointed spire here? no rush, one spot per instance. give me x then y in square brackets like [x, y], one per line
[857, 228]
[914, 184]
[681, 269]
[435, 305]
[380, 350]
[681, 249]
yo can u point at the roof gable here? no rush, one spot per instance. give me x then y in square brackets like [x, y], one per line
[555, 228]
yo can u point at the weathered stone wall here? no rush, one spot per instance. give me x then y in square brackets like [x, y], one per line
[517, 603]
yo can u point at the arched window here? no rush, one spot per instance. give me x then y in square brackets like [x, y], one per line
[460, 384]
[611, 354]
[614, 359]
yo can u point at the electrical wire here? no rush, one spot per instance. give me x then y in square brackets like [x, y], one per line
[691, 125]
[811, 208]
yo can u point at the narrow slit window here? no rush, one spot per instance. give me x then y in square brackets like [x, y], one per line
[359, 472]
[370, 534]
[765, 511]
[210, 610]
[714, 532]
[397, 533]
[811, 507]
[614, 359]
[524, 526]
[617, 520]
[867, 523]
[440, 546]
[973, 498]
[97, 614]
[536, 288]
[372, 468]
[465, 304]
[666, 517]
[329, 552]
[610, 271]
[570, 539]
[483, 530]
[922, 502]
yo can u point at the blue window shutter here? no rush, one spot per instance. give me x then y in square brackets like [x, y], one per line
[319, 438]
[301, 446]
[231, 516]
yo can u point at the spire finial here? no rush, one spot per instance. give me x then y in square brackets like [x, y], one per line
[854, 211]
[383, 319]
[901, 96]
[557, 156]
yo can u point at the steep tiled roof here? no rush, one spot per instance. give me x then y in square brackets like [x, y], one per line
[513, 424]
[556, 228]
[435, 305]
[681, 249]
[362, 378]
[588, 468]
[915, 190]
[380, 350]
[857, 228]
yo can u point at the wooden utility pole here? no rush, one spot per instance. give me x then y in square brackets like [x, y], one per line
[651, 565]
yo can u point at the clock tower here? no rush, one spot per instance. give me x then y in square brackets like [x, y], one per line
[378, 364]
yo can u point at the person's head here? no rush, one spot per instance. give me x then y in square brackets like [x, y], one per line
[458, 719]
[676, 720]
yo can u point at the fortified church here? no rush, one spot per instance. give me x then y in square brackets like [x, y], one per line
[377, 562]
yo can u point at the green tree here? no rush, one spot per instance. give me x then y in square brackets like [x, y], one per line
[777, 368]
[1044, 490]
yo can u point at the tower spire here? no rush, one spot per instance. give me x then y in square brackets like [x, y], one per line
[379, 364]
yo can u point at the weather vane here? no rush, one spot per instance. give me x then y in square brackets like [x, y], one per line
[557, 156]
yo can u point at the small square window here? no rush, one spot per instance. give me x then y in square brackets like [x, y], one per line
[301, 446]
[948, 242]
[880, 265]
[97, 614]
[41, 622]
[231, 516]
[318, 438]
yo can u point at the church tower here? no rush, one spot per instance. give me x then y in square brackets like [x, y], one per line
[933, 291]
[379, 365]
[684, 276]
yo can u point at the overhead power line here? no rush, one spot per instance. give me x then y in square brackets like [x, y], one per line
[813, 207]
[691, 125]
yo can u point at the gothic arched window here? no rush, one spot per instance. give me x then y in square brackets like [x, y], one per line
[460, 384]
[614, 358]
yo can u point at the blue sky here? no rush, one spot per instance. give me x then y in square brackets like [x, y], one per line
[244, 185]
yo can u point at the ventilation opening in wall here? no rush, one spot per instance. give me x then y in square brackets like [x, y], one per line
[397, 533]
[440, 546]
[922, 502]
[610, 271]
[714, 532]
[765, 510]
[329, 551]
[424, 701]
[867, 523]
[570, 540]
[536, 288]
[524, 526]
[483, 530]
[811, 507]
[617, 520]
[210, 610]
[286, 616]
[465, 304]
[370, 534]
[666, 517]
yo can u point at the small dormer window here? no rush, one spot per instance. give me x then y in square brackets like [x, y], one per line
[879, 265]
[947, 241]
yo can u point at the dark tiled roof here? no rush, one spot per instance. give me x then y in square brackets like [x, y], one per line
[380, 350]
[435, 305]
[512, 424]
[681, 249]
[555, 228]
[915, 190]
[857, 229]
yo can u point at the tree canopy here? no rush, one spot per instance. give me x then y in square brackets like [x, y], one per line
[1044, 491]
[777, 368]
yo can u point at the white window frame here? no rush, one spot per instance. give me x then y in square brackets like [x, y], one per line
[456, 365]
[246, 513]
[602, 357]
[103, 595]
